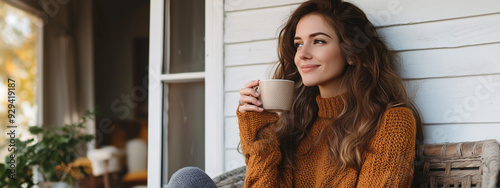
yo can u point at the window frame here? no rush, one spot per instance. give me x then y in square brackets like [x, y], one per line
[214, 97]
[38, 60]
[39, 57]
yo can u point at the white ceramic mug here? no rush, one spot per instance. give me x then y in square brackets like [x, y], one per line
[276, 94]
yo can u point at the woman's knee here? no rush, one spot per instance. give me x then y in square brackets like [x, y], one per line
[188, 171]
[191, 177]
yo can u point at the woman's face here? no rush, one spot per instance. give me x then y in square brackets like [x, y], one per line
[318, 57]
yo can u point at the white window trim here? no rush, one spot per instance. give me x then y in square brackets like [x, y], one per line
[156, 22]
[214, 95]
[214, 88]
[183, 77]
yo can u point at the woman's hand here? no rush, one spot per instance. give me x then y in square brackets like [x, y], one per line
[248, 98]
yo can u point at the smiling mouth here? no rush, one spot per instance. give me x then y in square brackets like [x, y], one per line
[308, 68]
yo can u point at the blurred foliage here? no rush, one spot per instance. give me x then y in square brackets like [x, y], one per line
[53, 155]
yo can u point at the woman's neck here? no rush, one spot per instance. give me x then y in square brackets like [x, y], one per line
[331, 89]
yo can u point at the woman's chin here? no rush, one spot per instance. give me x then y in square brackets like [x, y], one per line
[310, 83]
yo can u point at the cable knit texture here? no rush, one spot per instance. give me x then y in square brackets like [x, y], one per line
[388, 164]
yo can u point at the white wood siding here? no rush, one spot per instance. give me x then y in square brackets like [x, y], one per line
[450, 52]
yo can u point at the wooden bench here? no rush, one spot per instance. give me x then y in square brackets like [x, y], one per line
[464, 164]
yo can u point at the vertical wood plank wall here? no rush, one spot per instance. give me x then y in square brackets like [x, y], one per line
[450, 53]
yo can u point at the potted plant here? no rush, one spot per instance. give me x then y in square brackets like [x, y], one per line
[53, 156]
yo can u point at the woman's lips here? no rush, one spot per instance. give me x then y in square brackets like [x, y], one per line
[308, 68]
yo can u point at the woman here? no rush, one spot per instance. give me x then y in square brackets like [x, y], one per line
[351, 122]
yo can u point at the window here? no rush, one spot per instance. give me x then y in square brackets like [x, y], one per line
[20, 66]
[185, 88]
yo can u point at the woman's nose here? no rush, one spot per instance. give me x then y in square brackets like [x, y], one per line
[303, 53]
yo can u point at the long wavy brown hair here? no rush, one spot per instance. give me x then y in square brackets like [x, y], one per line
[371, 82]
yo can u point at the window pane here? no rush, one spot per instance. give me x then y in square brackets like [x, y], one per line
[186, 126]
[19, 38]
[187, 36]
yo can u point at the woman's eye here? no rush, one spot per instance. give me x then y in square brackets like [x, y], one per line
[298, 45]
[319, 41]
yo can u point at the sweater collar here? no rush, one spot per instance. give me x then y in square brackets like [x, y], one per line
[330, 107]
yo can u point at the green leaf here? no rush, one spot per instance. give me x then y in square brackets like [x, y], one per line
[35, 130]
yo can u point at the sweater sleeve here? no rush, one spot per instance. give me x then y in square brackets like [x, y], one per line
[260, 148]
[389, 163]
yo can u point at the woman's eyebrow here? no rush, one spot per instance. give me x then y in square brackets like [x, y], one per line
[314, 34]
[319, 33]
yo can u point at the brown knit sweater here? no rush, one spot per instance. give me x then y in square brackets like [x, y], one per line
[389, 164]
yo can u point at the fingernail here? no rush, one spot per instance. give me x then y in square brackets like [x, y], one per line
[256, 93]
[259, 103]
[261, 109]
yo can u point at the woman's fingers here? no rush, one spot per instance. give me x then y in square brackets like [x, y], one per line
[249, 108]
[252, 84]
[249, 92]
[248, 98]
